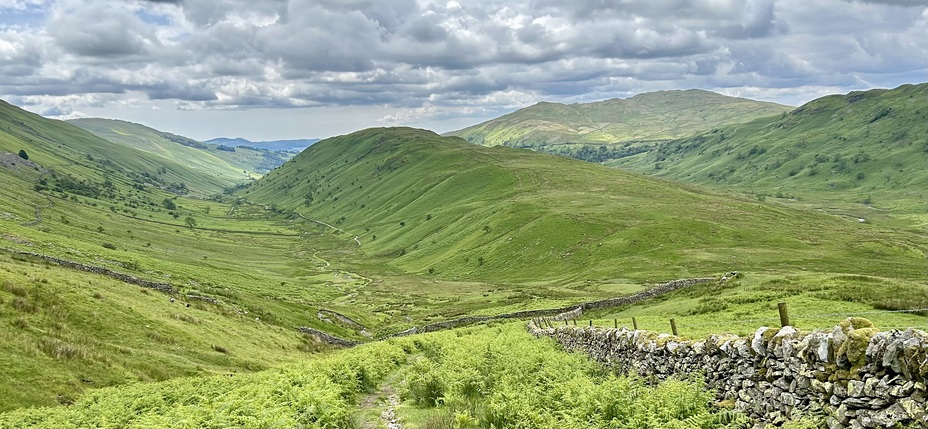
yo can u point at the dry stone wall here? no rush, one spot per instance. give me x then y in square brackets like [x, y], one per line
[327, 338]
[854, 375]
[574, 311]
[159, 286]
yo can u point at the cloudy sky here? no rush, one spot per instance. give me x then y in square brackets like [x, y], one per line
[273, 69]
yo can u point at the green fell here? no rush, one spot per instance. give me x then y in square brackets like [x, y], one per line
[233, 164]
[861, 154]
[442, 208]
[616, 127]
[388, 228]
[72, 158]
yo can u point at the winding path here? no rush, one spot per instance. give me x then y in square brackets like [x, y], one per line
[356, 238]
[386, 397]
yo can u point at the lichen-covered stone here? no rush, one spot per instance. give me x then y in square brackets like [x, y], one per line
[854, 350]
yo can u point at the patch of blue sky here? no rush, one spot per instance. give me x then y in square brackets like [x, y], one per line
[29, 16]
[154, 19]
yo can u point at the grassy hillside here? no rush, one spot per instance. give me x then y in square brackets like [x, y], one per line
[68, 155]
[865, 151]
[85, 199]
[446, 209]
[233, 164]
[388, 227]
[617, 127]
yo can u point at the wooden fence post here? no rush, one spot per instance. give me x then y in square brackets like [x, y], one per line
[634, 323]
[673, 327]
[784, 316]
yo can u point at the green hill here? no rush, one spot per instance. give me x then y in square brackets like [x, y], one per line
[91, 201]
[443, 208]
[617, 127]
[74, 158]
[234, 164]
[444, 229]
[868, 148]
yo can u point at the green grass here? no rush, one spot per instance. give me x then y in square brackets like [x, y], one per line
[233, 165]
[447, 210]
[860, 155]
[66, 331]
[814, 301]
[446, 229]
[616, 127]
[73, 159]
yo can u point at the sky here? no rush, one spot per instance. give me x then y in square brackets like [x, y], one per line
[286, 69]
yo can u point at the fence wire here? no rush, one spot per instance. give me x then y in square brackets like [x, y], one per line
[767, 321]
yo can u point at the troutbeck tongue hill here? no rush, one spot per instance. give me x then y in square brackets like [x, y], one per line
[646, 117]
[441, 207]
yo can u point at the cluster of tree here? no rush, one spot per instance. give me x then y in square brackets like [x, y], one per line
[182, 140]
[592, 153]
[66, 183]
[179, 188]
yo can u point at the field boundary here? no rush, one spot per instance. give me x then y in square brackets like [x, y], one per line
[852, 376]
[571, 311]
[159, 286]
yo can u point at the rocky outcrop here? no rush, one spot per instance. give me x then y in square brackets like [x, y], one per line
[855, 375]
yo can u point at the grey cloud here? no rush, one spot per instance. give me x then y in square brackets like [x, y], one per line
[230, 54]
[179, 92]
[96, 30]
[211, 12]
[758, 20]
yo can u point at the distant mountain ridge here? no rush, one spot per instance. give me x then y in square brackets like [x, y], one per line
[621, 127]
[297, 145]
[866, 147]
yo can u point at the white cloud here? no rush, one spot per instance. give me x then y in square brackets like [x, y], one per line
[429, 60]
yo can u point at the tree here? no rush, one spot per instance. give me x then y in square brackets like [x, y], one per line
[23, 154]
[191, 222]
